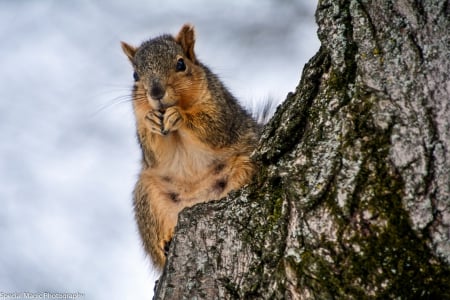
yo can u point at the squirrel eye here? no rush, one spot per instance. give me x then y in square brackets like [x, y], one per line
[181, 66]
[136, 76]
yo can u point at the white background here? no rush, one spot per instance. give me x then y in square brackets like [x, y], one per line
[68, 152]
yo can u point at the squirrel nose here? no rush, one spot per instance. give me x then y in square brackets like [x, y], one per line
[157, 91]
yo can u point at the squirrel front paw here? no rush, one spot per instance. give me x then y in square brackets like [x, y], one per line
[164, 122]
[155, 118]
[171, 120]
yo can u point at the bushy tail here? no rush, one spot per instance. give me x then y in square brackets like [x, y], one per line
[262, 111]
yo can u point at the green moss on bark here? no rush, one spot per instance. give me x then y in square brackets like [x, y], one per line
[351, 198]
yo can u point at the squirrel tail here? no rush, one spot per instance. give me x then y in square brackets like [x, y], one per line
[262, 111]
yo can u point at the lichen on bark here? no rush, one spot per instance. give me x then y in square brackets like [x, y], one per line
[351, 200]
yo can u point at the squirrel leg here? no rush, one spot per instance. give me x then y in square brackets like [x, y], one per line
[156, 217]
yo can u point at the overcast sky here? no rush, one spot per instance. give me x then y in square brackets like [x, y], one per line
[68, 152]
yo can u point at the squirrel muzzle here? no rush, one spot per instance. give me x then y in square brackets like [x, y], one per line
[160, 96]
[157, 91]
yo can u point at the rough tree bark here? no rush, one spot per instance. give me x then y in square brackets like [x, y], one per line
[352, 196]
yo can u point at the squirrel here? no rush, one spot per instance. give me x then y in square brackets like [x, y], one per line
[196, 139]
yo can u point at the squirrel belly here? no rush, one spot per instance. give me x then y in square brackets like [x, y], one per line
[196, 139]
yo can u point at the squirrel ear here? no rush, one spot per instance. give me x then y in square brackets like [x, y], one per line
[186, 38]
[129, 50]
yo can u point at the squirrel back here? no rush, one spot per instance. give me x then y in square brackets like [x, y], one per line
[196, 139]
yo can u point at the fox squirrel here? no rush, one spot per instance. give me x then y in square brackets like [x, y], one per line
[196, 139]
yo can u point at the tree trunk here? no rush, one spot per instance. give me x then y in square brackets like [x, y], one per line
[352, 196]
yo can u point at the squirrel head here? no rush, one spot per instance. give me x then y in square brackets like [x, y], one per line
[166, 71]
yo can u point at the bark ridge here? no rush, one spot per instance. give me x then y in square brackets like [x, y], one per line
[352, 199]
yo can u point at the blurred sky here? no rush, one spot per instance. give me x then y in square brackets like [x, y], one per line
[68, 153]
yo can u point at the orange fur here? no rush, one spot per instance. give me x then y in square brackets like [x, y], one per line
[191, 154]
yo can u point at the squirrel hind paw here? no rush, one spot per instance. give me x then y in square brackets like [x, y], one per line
[167, 247]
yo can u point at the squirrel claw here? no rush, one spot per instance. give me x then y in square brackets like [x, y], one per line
[167, 247]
